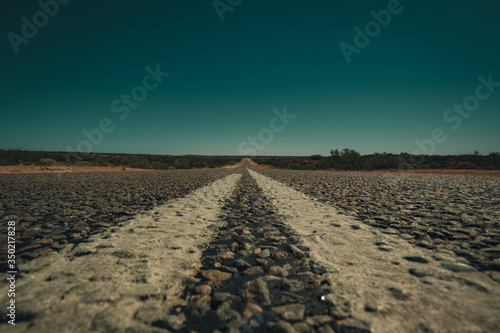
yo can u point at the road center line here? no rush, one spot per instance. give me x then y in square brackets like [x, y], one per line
[387, 282]
[116, 279]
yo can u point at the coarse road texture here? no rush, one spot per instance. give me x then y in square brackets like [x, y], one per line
[238, 250]
[117, 279]
[393, 285]
[54, 211]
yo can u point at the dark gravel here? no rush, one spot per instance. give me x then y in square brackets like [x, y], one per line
[52, 210]
[459, 213]
[256, 276]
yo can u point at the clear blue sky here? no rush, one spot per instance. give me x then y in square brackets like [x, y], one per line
[226, 77]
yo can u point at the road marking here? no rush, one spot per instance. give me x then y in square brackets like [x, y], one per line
[128, 275]
[362, 267]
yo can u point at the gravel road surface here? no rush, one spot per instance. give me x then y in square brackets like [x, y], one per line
[52, 210]
[253, 251]
[457, 213]
[394, 286]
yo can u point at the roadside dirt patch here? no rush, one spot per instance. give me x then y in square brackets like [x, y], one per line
[48, 169]
[262, 166]
[240, 163]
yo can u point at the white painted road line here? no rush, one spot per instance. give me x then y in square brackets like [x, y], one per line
[369, 270]
[125, 277]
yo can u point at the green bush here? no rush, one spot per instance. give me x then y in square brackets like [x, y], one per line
[47, 162]
[296, 166]
[463, 165]
[135, 161]
[159, 166]
[181, 164]
[324, 164]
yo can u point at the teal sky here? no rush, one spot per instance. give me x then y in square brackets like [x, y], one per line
[226, 77]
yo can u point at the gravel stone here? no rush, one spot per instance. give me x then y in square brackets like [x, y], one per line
[290, 311]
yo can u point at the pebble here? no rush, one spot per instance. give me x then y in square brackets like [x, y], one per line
[254, 270]
[419, 259]
[251, 309]
[226, 255]
[457, 267]
[353, 325]
[256, 290]
[278, 271]
[371, 306]
[265, 253]
[290, 311]
[399, 293]
[204, 289]
[215, 275]
[220, 297]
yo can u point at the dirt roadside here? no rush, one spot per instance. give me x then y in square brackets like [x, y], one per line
[56, 169]
[446, 172]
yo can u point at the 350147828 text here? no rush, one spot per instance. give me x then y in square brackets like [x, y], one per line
[11, 262]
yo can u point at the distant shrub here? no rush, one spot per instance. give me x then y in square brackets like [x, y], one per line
[159, 166]
[86, 164]
[135, 161]
[464, 165]
[101, 162]
[181, 164]
[47, 162]
[435, 165]
[324, 164]
[296, 166]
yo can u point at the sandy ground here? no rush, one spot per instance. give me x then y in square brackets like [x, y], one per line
[57, 169]
[448, 172]
[240, 163]
[369, 270]
[125, 278]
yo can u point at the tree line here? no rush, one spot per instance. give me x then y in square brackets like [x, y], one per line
[345, 159]
[349, 159]
[20, 156]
